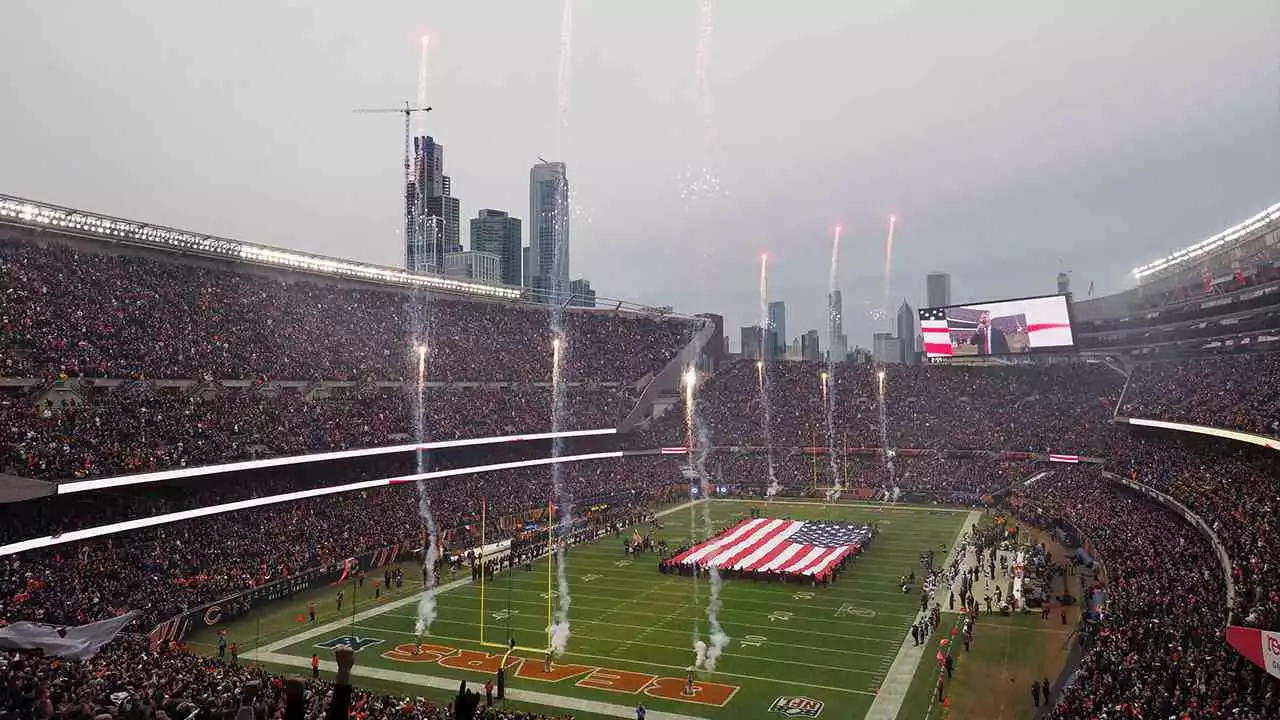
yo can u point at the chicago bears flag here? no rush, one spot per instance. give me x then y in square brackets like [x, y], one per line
[1261, 647]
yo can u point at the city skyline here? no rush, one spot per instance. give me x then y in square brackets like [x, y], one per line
[993, 173]
[549, 230]
[496, 231]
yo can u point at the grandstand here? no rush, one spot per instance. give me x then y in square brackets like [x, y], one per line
[129, 348]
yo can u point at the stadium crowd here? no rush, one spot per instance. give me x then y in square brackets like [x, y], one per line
[1240, 392]
[1232, 488]
[170, 568]
[107, 314]
[865, 476]
[1159, 648]
[69, 314]
[128, 680]
[1065, 408]
[137, 428]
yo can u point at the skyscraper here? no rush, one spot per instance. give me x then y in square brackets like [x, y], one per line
[751, 342]
[472, 265]
[885, 349]
[494, 231]
[907, 333]
[937, 289]
[432, 208]
[549, 230]
[778, 324]
[810, 348]
[582, 294]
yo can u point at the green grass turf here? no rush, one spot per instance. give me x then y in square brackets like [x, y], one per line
[788, 639]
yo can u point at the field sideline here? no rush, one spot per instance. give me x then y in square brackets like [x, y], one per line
[824, 651]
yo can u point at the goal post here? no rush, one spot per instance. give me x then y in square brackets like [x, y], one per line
[511, 569]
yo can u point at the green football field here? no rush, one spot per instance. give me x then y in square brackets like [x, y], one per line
[632, 629]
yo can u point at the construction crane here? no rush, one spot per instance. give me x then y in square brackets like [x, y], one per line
[408, 111]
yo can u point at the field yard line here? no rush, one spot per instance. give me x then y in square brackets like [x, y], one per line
[346, 621]
[890, 626]
[845, 636]
[893, 691]
[647, 663]
[530, 696]
[673, 630]
[772, 601]
[626, 645]
[875, 506]
[388, 607]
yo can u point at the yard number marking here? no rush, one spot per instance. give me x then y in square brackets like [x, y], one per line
[780, 615]
[851, 610]
[752, 641]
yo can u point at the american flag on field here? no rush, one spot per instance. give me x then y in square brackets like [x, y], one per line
[791, 547]
[673, 451]
[1063, 458]
[937, 335]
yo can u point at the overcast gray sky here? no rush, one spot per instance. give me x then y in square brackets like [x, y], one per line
[1012, 139]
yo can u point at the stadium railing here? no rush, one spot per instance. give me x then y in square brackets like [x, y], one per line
[1223, 558]
[668, 379]
[1265, 441]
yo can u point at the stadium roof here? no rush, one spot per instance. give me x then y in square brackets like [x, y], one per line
[37, 214]
[34, 214]
[1242, 231]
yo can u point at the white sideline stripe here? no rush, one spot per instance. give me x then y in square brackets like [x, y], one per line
[178, 473]
[893, 691]
[837, 505]
[560, 702]
[119, 527]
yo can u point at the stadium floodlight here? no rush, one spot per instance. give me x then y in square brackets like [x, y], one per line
[39, 214]
[167, 518]
[191, 472]
[1237, 232]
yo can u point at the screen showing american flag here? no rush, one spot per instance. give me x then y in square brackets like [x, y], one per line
[793, 547]
[1002, 327]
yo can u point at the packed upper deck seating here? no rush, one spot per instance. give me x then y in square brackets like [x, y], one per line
[1240, 392]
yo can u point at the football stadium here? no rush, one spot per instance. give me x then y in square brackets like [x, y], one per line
[243, 479]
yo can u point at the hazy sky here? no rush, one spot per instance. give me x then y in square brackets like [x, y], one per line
[1012, 139]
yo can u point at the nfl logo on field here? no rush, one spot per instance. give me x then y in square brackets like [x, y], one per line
[797, 706]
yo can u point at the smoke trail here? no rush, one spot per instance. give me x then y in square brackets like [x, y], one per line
[766, 414]
[719, 640]
[880, 373]
[563, 517]
[888, 266]
[566, 55]
[559, 298]
[691, 445]
[427, 601]
[891, 487]
[829, 394]
[699, 443]
[420, 121]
